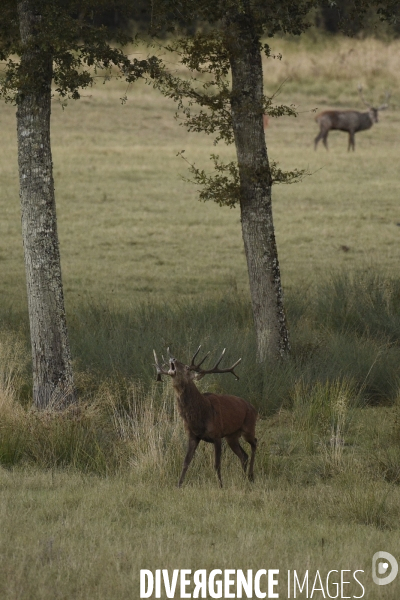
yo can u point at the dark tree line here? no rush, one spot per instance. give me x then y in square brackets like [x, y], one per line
[356, 17]
[352, 17]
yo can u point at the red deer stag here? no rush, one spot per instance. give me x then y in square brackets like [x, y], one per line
[351, 121]
[210, 417]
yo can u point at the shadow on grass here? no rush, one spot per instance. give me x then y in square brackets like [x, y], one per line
[347, 327]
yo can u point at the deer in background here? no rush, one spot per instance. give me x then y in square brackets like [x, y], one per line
[351, 121]
[210, 417]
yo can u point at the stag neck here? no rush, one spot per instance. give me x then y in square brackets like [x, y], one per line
[188, 397]
[370, 117]
[194, 408]
[186, 389]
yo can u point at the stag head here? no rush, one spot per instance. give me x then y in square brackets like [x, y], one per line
[182, 373]
[374, 110]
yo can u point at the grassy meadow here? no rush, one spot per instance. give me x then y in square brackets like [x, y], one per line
[88, 496]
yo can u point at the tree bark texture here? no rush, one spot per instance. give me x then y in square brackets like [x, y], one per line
[255, 189]
[53, 384]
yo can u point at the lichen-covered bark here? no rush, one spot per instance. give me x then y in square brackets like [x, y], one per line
[52, 372]
[255, 187]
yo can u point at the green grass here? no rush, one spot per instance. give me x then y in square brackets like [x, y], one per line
[88, 496]
[88, 539]
[68, 534]
[130, 228]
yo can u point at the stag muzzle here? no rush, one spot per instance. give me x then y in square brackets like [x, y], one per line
[172, 367]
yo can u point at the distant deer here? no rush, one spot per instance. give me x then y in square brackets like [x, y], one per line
[351, 121]
[210, 417]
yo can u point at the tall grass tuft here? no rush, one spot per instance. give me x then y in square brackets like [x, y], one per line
[367, 502]
[152, 432]
[321, 415]
[13, 358]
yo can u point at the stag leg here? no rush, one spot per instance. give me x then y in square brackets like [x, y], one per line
[351, 141]
[218, 449]
[193, 443]
[233, 441]
[323, 135]
[253, 443]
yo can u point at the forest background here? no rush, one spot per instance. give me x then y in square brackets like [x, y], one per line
[88, 499]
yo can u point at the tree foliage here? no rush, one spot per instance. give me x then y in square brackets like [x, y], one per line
[223, 186]
[74, 34]
[204, 96]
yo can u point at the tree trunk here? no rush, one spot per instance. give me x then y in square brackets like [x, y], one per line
[52, 372]
[255, 188]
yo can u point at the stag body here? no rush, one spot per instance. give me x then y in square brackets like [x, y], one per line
[211, 417]
[351, 121]
[344, 120]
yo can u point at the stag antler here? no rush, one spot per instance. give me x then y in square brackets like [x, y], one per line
[215, 369]
[360, 88]
[201, 362]
[386, 103]
[160, 370]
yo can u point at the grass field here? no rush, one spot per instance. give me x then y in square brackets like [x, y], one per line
[88, 498]
[123, 211]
